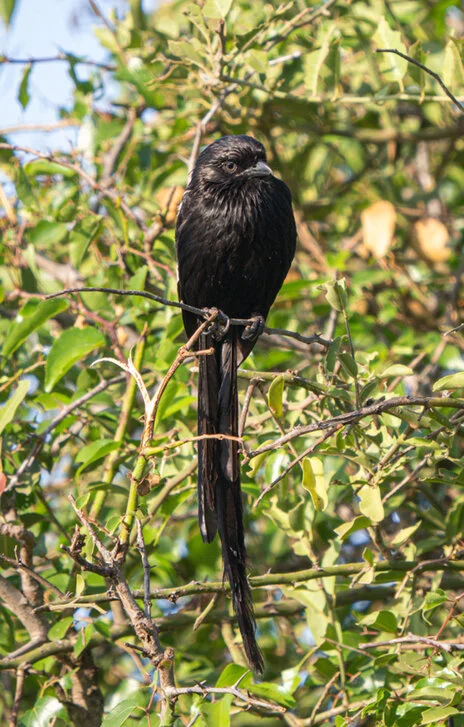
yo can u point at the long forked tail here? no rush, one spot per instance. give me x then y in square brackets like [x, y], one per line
[220, 499]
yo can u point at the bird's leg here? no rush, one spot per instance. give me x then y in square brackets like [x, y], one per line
[220, 325]
[254, 329]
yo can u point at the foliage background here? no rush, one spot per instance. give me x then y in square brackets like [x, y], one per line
[362, 537]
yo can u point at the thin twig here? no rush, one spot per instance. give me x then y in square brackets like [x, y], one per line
[426, 70]
[447, 646]
[296, 461]
[51, 126]
[140, 545]
[243, 695]
[191, 309]
[54, 59]
[355, 416]
[19, 688]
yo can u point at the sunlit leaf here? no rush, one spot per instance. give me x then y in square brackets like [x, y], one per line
[370, 503]
[8, 410]
[72, 346]
[32, 315]
[23, 93]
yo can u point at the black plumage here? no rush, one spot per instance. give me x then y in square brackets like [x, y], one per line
[235, 240]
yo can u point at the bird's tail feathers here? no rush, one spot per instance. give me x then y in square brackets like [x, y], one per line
[229, 502]
[208, 406]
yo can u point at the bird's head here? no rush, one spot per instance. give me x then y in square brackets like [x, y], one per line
[231, 161]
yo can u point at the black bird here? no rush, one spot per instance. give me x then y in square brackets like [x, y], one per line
[235, 239]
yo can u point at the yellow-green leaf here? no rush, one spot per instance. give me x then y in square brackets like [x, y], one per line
[370, 503]
[70, 347]
[452, 381]
[32, 315]
[8, 410]
[314, 482]
[23, 93]
[396, 370]
[275, 396]
[347, 529]
[216, 9]
[393, 66]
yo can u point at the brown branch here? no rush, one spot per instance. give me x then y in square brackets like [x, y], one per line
[191, 309]
[243, 695]
[15, 602]
[447, 646]
[355, 416]
[140, 545]
[19, 688]
[54, 59]
[51, 126]
[426, 70]
[278, 580]
[144, 627]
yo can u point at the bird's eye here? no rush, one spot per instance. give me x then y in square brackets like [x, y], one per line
[230, 166]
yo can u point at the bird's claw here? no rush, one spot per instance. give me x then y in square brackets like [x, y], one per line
[254, 329]
[220, 325]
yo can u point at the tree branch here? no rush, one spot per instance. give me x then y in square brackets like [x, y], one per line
[426, 70]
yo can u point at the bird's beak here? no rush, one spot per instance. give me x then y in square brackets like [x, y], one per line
[260, 169]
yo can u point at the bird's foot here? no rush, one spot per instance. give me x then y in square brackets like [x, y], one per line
[254, 329]
[220, 325]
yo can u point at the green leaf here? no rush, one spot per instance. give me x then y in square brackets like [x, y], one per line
[395, 370]
[7, 8]
[83, 233]
[216, 9]
[121, 713]
[218, 713]
[453, 71]
[349, 364]
[404, 534]
[92, 452]
[72, 346]
[32, 315]
[433, 599]
[370, 503]
[275, 396]
[231, 674]
[43, 166]
[58, 630]
[393, 66]
[274, 692]
[44, 712]
[437, 714]
[46, 234]
[257, 461]
[258, 59]
[23, 93]
[314, 482]
[335, 293]
[314, 61]
[452, 381]
[8, 410]
[380, 620]
[182, 49]
[347, 529]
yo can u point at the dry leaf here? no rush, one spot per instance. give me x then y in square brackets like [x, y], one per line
[430, 239]
[378, 227]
